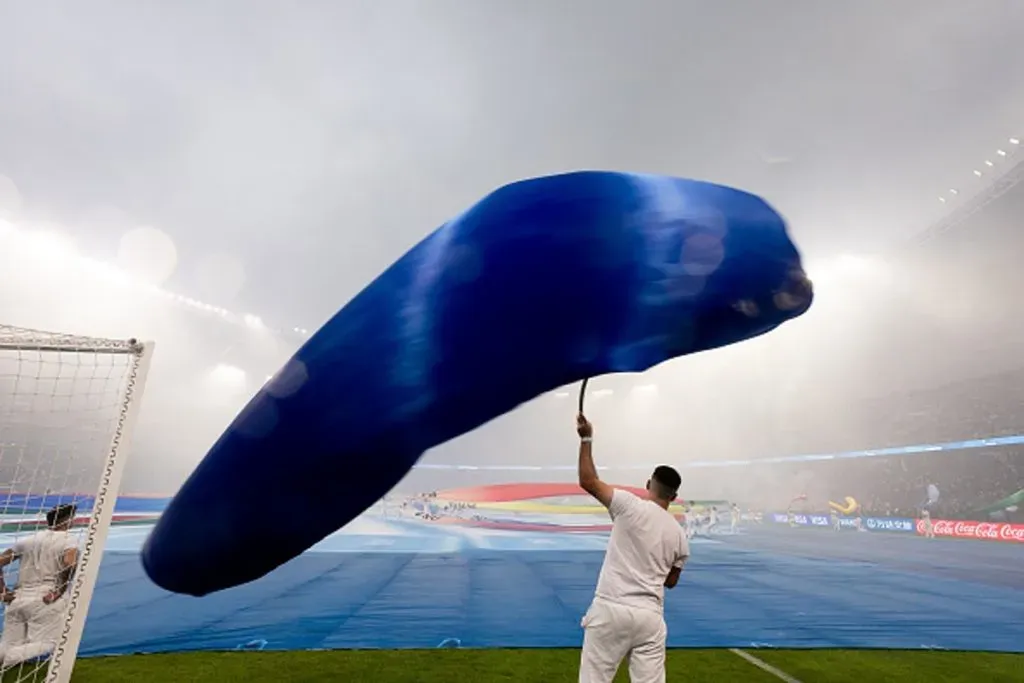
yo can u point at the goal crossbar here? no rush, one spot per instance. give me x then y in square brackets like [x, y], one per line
[24, 339]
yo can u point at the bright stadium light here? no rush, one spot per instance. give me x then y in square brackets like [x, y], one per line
[50, 251]
[849, 271]
[227, 375]
[253, 321]
[852, 262]
[107, 273]
[978, 173]
[644, 391]
[600, 393]
[50, 243]
[148, 254]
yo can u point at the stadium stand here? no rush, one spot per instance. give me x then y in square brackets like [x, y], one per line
[969, 384]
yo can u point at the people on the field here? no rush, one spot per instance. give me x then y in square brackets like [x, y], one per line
[34, 611]
[646, 553]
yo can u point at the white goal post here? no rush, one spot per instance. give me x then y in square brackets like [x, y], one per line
[68, 406]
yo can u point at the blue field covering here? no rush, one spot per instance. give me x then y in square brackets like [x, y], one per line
[412, 584]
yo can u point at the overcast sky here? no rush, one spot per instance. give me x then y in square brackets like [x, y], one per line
[312, 142]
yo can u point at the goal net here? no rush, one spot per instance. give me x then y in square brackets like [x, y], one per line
[67, 405]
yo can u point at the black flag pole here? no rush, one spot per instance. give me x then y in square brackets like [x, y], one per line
[583, 393]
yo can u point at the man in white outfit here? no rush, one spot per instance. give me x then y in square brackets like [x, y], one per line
[34, 613]
[646, 553]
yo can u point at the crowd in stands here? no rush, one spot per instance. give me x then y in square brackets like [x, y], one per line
[960, 410]
[968, 482]
[968, 409]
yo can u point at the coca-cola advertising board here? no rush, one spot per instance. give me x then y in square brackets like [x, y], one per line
[986, 531]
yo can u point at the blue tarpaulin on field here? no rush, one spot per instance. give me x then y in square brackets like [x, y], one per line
[413, 584]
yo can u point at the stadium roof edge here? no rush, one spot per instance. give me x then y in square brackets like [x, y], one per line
[993, 191]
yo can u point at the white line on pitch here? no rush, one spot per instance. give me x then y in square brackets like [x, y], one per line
[764, 666]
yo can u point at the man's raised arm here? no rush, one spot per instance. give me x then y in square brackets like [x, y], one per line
[589, 481]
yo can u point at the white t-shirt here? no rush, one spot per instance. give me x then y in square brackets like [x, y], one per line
[646, 543]
[40, 559]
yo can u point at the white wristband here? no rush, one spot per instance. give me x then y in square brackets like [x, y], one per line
[586, 439]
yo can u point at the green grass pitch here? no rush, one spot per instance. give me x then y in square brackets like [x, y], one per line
[547, 666]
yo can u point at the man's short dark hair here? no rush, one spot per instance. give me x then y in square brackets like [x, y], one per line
[668, 479]
[61, 514]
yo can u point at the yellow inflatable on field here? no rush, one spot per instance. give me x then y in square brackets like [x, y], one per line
[848, 507]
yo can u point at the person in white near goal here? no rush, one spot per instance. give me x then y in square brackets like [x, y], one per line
[34, 612]
[646, 554]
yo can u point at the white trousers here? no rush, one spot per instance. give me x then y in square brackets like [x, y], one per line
[31, 627]
[613, 632]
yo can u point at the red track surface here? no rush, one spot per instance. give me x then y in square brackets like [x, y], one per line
[529, 526]
[504, 493]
